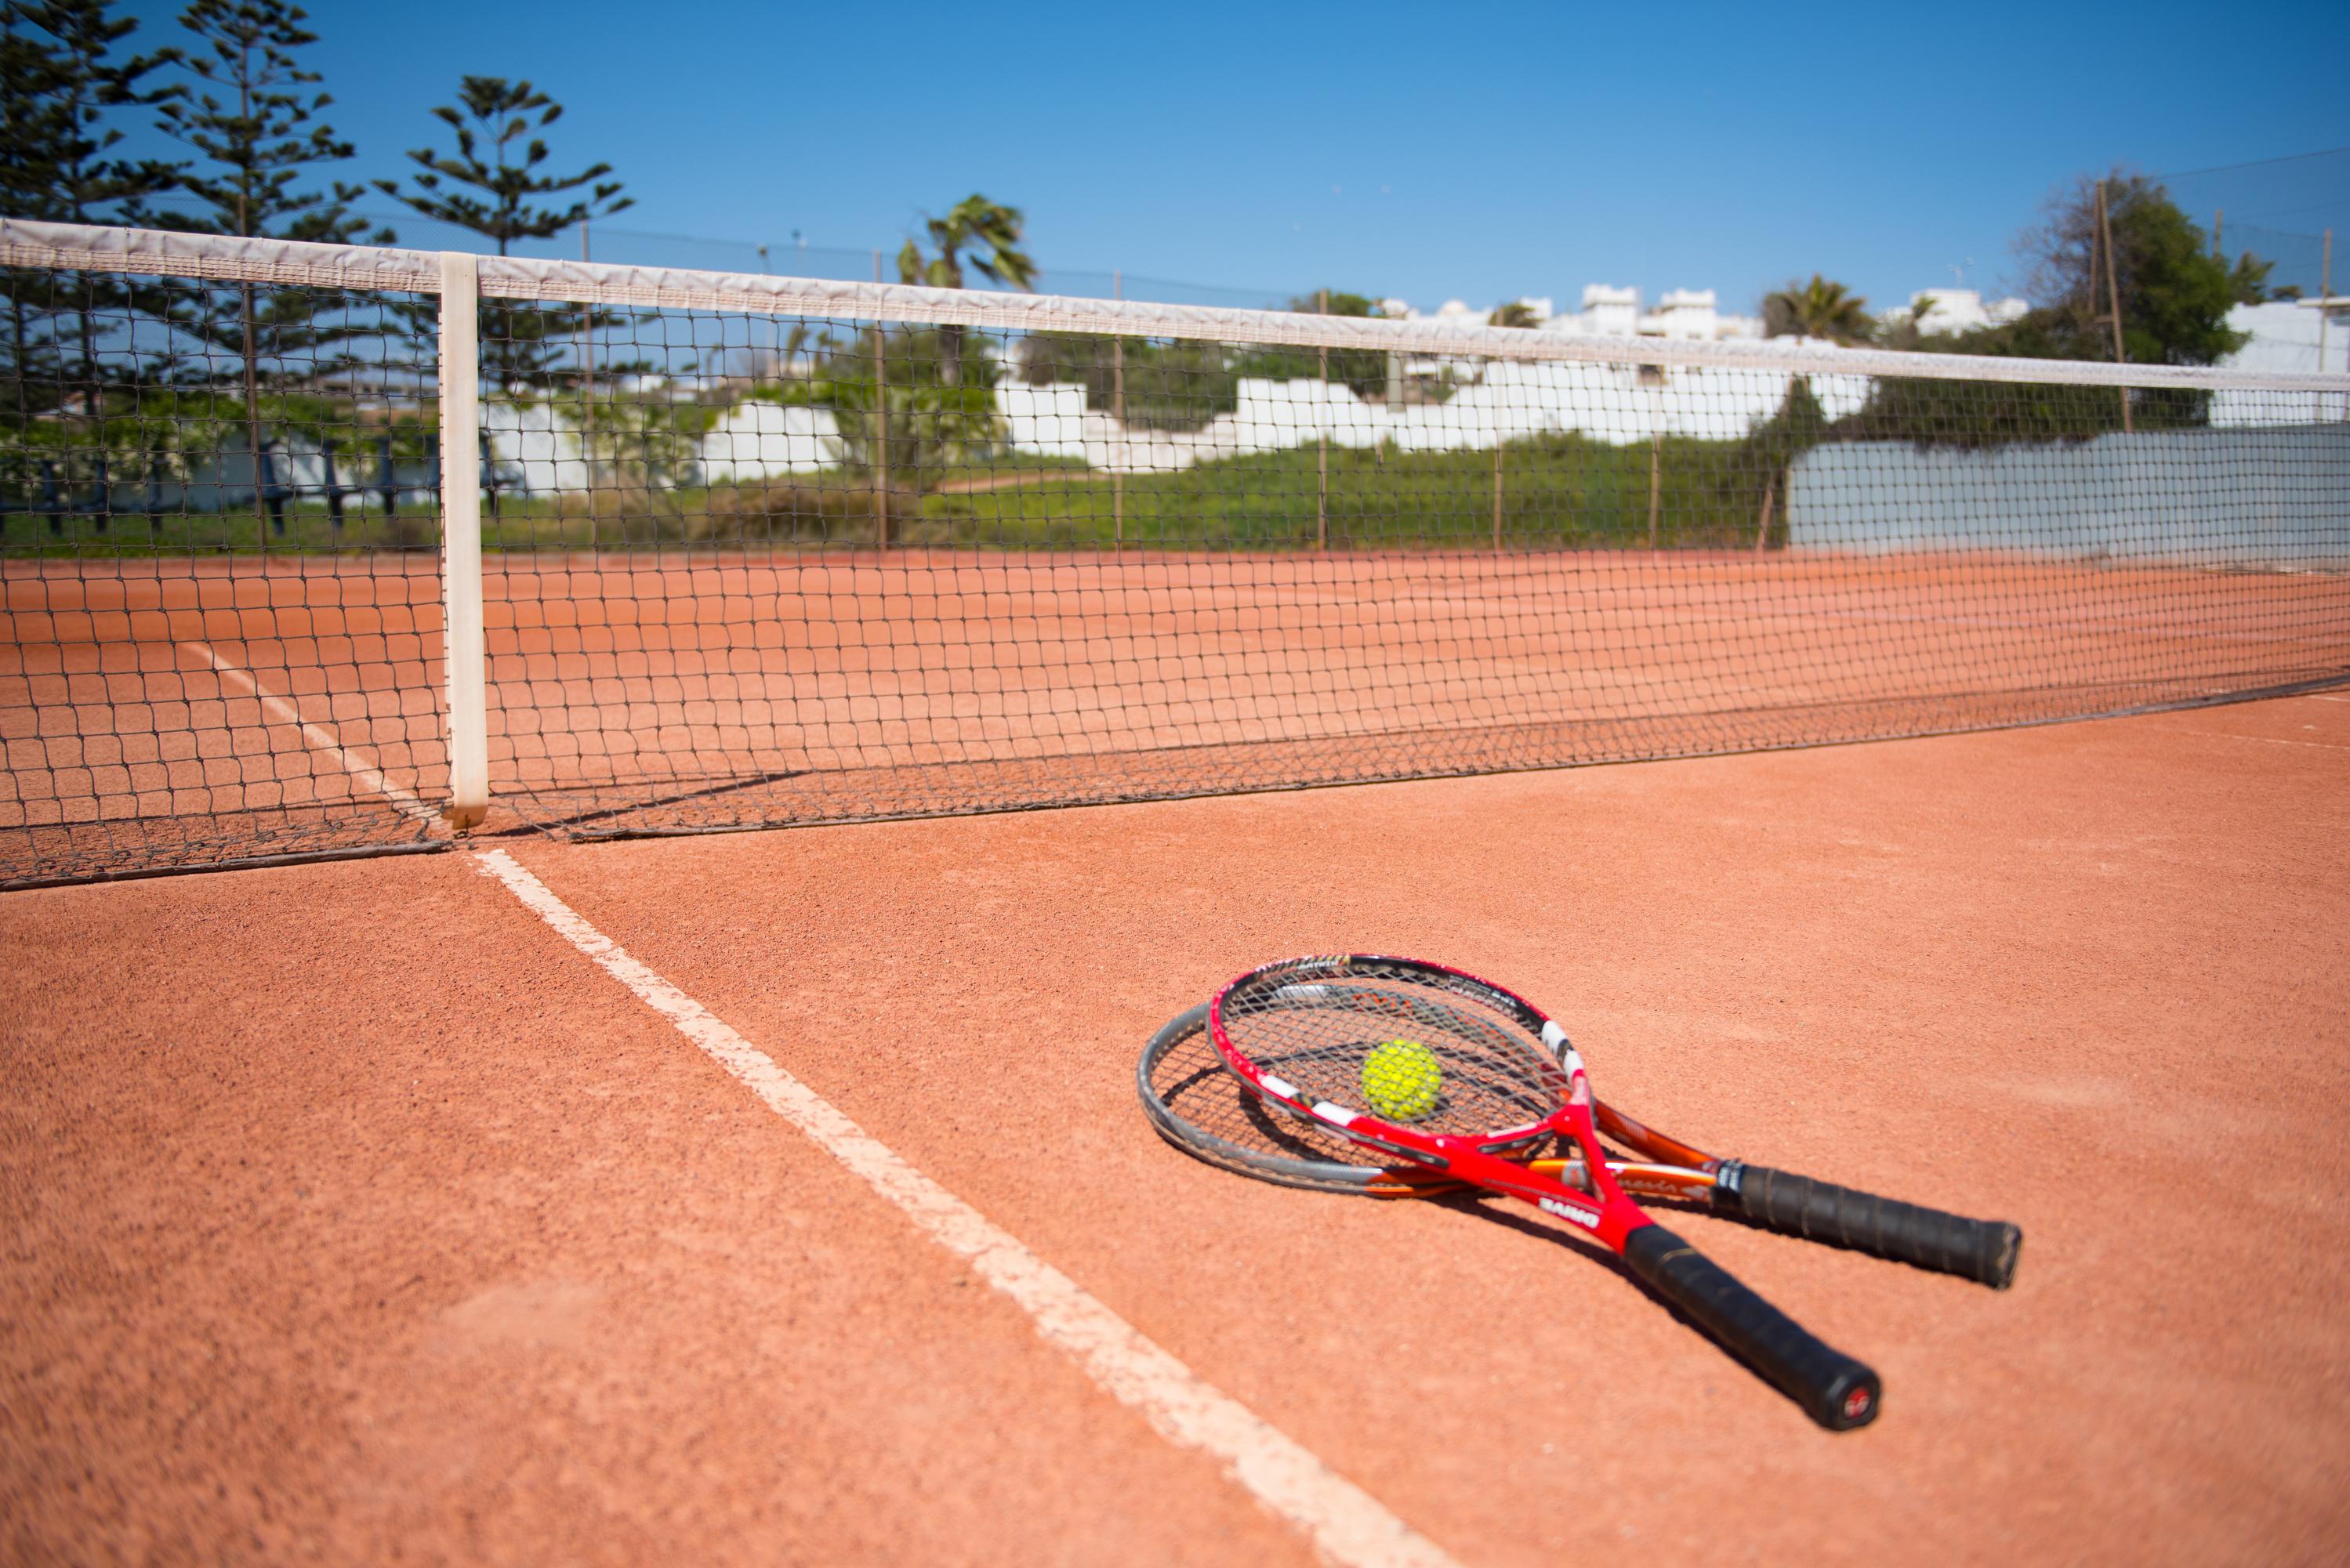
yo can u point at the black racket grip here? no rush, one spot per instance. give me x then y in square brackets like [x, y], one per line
[1836, 1391]
[1980, 1250]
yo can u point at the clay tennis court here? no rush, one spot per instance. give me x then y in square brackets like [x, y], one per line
[491, 1158]
[382, 1210]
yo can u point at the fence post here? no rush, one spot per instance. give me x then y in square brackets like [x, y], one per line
[1656, 478]
[1500, 438]
[880, 421]
[2325, 311]
[460, 540]
[1117, 417]
[1322, 440]
[588, 406]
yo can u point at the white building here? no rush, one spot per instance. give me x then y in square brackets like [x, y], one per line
[1955, 310]
[2292, 334]
[1608, 312]
[2297, 336]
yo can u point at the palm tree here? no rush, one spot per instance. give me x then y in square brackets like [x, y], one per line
[1820, 308]
[1515, 313]
[973, 224]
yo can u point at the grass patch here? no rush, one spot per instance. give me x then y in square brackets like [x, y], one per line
[1562, 491]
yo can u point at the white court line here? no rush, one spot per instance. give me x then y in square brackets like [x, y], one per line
[1346, 1524]
[365, 773]
[2272, 740]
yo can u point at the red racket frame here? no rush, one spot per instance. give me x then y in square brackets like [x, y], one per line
[1839, 1392]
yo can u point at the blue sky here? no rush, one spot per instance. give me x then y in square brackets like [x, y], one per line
[1479, 151]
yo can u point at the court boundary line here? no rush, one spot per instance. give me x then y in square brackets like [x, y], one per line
[2272, 740]
[1345, 1523]
[353, 761]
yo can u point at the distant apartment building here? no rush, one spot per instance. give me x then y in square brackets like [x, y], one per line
[1955, 310]
[2287, 334]
[1608, 312]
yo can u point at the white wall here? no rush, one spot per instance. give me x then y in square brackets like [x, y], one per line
[2287, 335]
[1604, 402]
[756, 441]
[536, 450]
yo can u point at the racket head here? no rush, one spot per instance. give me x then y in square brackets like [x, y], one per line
[1322, 1033]
[1198, 1104]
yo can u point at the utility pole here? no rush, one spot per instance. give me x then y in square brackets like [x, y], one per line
[2113, 295]
[774, 328]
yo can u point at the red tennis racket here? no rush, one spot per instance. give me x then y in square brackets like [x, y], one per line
[1451, 1074]
[1201, 1107]
[1984, 1250]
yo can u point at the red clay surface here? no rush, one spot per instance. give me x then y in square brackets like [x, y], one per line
[351, 1215]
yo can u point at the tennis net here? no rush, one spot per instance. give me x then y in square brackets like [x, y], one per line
[322, 550]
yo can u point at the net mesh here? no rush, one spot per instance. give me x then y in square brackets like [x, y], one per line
[761, 550]
[219, 573]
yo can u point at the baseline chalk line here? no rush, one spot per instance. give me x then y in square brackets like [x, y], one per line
[1346, 1524]
[352, 760]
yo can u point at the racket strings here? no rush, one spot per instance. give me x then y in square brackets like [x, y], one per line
[1193, 1083]
[1494, 1074]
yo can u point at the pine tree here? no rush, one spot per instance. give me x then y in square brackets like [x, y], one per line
[63, 82]
[249, 116]
[66, 82]
[497, 122]
[250, 119]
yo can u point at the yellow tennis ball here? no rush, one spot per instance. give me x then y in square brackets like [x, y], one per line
[1402, 1080]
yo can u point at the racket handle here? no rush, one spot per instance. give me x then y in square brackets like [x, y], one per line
[1838, 1392]
[1980, 1250]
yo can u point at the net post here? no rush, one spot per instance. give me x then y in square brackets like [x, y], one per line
[1322, 438]
[460, 540]
[880, 422]
[1118, 415]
